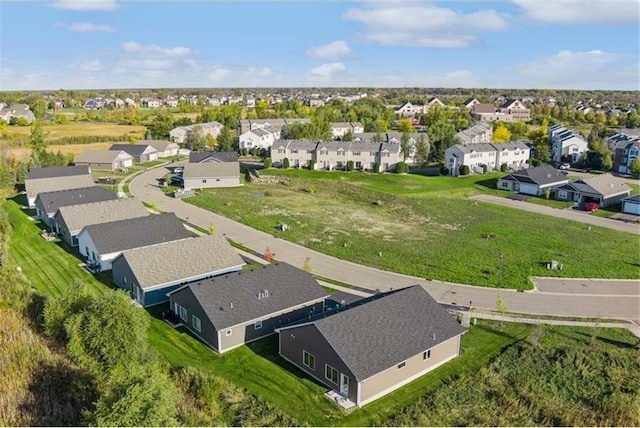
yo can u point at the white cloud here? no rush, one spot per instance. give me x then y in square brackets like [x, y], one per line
[244, 76]
[567, 69]
[423, 25]
[84, 5]
[333, 50]
[326, 72]
[601, 12]
[90, 66]
[87, 27]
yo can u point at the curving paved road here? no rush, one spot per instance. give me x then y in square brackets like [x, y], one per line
[554, 300]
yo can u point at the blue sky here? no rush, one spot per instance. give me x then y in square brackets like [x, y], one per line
[85, 44]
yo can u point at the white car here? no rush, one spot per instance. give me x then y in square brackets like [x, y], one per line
[565, 166]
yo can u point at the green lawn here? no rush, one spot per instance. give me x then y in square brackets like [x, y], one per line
[424, 226]
[552, 203]
[256, 367]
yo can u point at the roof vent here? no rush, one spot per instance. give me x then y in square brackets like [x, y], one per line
[230, 305]
[434, 336]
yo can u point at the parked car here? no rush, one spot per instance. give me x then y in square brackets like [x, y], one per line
[565, 166]
[178, 170]
[177, 180]
[590, 206]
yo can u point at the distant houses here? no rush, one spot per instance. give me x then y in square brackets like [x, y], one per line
[481, 132]
[508, 111]
[181, 134]
[164, 148]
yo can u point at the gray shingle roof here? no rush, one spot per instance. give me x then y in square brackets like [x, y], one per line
[477, 147]
[78, 216]
[133, 149]
[384, 332]
[540, 175]
[300, 145]
[85, 195]
[101, 156]
[136, 232]
[159, 145]
[199, 157]
[57, 171]
[34, 186]
[233, 299]
[181, 260]
[211, 169]
[605, 184]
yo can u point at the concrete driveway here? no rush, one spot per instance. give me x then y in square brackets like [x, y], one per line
[552, 301]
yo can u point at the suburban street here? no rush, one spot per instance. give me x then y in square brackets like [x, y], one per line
[616, 299]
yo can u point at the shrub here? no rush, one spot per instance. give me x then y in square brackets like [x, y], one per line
[444, 170]
[535, 162]
[350, 165]
[243, 152]
[504, 167]
[267, 162]
[401, 168]
[285, 163]
[464, 170]
[312, 164]
[484, 168]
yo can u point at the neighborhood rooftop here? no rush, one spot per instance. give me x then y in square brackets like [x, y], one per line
[100, 156]
[187, 258]
[78, 216]
[57, 171]
[242, 296]
[132, 149]
[538, 175]
[51, 201]
[136, 232]
[211, 169]
[383, 332]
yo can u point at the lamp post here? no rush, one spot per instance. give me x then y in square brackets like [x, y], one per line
[500, 269]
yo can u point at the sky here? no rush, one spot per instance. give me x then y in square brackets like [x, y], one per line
[114, 44]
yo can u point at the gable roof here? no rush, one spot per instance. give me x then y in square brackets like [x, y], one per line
[189, 258]
[57, 171]
[385, 331]
[604, 184]
[102, 156]
[540, 175]
[238, 297]
[159, 145]
[484, 108]
[211, 169]
[62, 198]
[199, 157]
[477, 147]
[34, 186]
[301, 145]
[78, 216]
[134, 149]
[136, 232]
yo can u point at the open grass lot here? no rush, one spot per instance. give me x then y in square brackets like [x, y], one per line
[256, 367]
[424, 226]
[24, 153]
[89, 129]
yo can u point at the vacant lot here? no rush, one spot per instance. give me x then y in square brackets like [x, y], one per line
[17, 134]
[425, 226]
[23, 153]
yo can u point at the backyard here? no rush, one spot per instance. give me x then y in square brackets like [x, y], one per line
[424, 226]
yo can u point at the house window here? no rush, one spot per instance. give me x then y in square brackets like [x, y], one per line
[183, 313]
[257, 325]
[228, 332]
[386, 155]
[324, 152]
[281, 151]
[124, 279]
[426, 354]
[562, 194]
[505, 184]
[308, 360]
[402, 364]
[330, 373]
[356, 153]
[204, 181]
[195, 321]
[294, 151]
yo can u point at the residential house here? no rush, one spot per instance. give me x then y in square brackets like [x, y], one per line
[246, 125]
[616, 139]
[471, 155]
[364, 154]
[164, 148]
[516, 109]
[631, 205]
[332, 154]
[105, 159]
[151, 102]
[250, 102]
[602, 189]
[390, 155]
[17, 111]
[48, 203]
[409, 110]
[396, 138]
[130, 102]
[213, 101]
[315, 102]
[227, 311]
[481, 132]
[566, 145]
[101, 243]
[375, 346]
[211, 174]
[149, 273]
[181, 133]
[434, 102]
[93, 104]
[514, 154]
[533, 181]
[339, 129]
[470, 103]
[260, 138]
[299, 152]
[56, 178]
[140, 152]
[624, 155]
[70, 220]
[484, 112]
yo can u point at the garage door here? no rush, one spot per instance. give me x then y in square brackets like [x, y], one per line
[631, 207]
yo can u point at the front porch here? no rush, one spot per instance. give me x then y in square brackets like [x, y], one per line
[342, 401]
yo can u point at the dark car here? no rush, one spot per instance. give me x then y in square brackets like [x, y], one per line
[177, 180]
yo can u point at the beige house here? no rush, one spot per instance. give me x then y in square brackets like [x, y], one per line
[105, 159]
[56, 178]
[211, 174]
[165, 148]
[481, 132]
[373, 346]
[515, 154]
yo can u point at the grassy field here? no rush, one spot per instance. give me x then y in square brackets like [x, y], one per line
[424, 226]
[23, 153]
[256, 367]
[53, 131]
